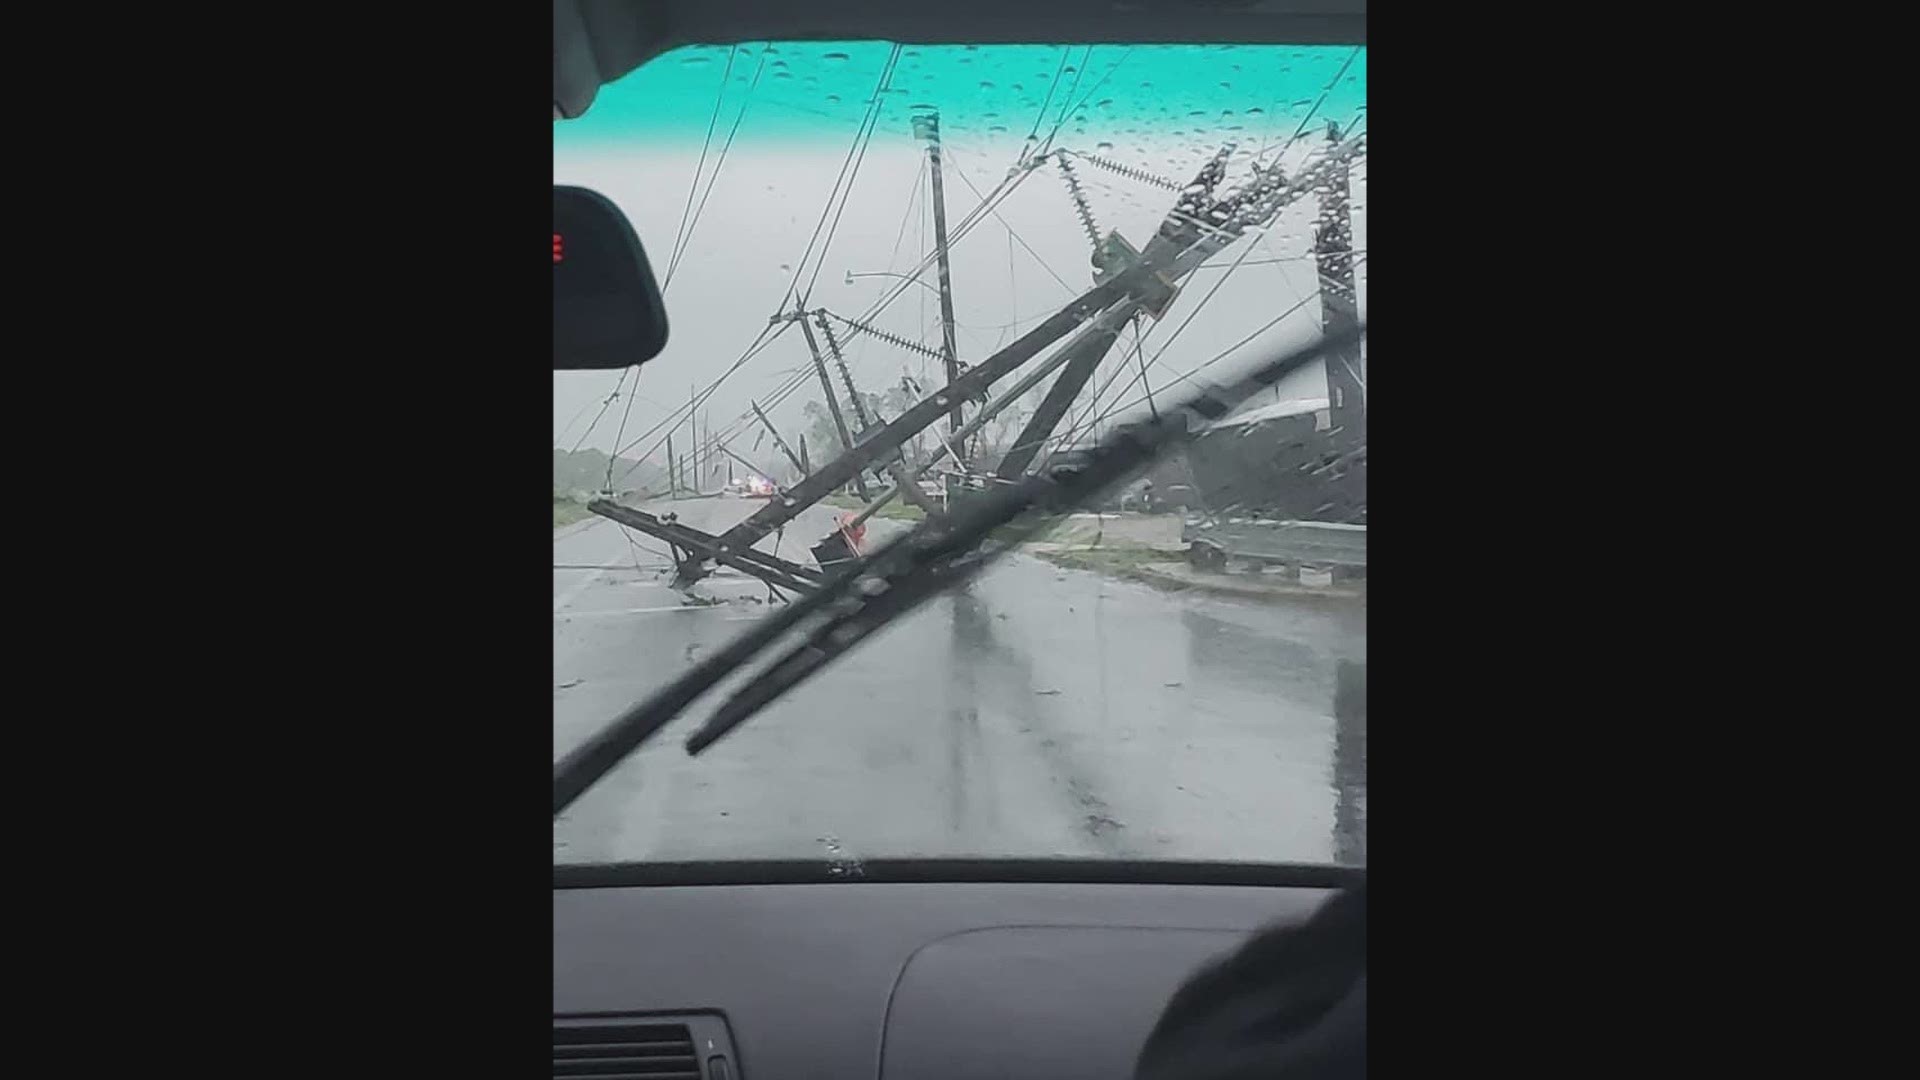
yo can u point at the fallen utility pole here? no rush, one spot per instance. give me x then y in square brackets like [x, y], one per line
[1089, 336]
[835, 474]
[1079, 368]
[690, 546]
[1109, 255]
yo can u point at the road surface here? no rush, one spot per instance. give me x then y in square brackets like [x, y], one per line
[1045, 712]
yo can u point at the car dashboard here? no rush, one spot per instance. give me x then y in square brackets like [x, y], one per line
[885, 978]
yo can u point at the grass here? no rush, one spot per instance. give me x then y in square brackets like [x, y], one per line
[896, 510]
[566, 511]
[1120, 559]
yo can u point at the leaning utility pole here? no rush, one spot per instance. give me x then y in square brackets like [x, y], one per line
[673, 472]
[691, 463]
[826, 388]
[1340, 313]
[896, 467]
[799, 461]
[927, 126]
[833, 346]
[706, 425]
[1339, 304]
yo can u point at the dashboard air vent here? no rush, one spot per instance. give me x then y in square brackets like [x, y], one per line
[624, 1050]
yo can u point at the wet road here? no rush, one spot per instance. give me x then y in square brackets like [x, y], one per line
[1045, 712]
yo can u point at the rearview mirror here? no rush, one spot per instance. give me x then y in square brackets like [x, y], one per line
[607, 311]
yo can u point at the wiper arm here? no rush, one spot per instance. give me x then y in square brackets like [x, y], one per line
[932, 558]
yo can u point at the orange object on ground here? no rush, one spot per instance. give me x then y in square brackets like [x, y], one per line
[855, 534]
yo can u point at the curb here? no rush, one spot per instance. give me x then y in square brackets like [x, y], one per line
[1159, 579]
[1243, 591]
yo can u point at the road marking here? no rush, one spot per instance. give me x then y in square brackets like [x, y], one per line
[568, 532]
[629, 611]
[580, 586]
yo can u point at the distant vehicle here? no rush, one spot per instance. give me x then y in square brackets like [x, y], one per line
[749, 487]
[1173, 497]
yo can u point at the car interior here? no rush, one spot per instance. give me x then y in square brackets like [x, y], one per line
[894, 968]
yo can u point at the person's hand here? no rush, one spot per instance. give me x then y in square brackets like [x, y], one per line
[1290, 1003]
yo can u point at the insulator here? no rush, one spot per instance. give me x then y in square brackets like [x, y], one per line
[1129, 172]
[893, 339]
[1080, 203]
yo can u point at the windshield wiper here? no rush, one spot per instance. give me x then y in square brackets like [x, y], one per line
[905, 573]
[933, 558]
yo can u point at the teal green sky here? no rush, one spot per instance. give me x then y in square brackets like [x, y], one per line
[1118, 94]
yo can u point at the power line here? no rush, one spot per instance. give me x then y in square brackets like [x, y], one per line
[603, 409]
[959, 232]
[1217, 357]
[962, 174]
[1142, 380]
[913, 197]
[582, 412]
[1246, 251]
[1053, 84]
[1013, 291]
[713, 121]
[622, 433]
[1066, 103]
[763, 339]
[1191, 315]
[721, 160]
[972, 219]
[1139, 357]
[1096, 86]
[845, 196]
[766, 337]
[873, 110]
[1324, 91]
[988, 203]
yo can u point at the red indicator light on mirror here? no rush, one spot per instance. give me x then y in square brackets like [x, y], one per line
[557, 252]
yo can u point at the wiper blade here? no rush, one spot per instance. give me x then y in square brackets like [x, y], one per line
[934, 557]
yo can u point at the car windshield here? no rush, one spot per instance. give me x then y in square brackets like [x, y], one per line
[1175, 671]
